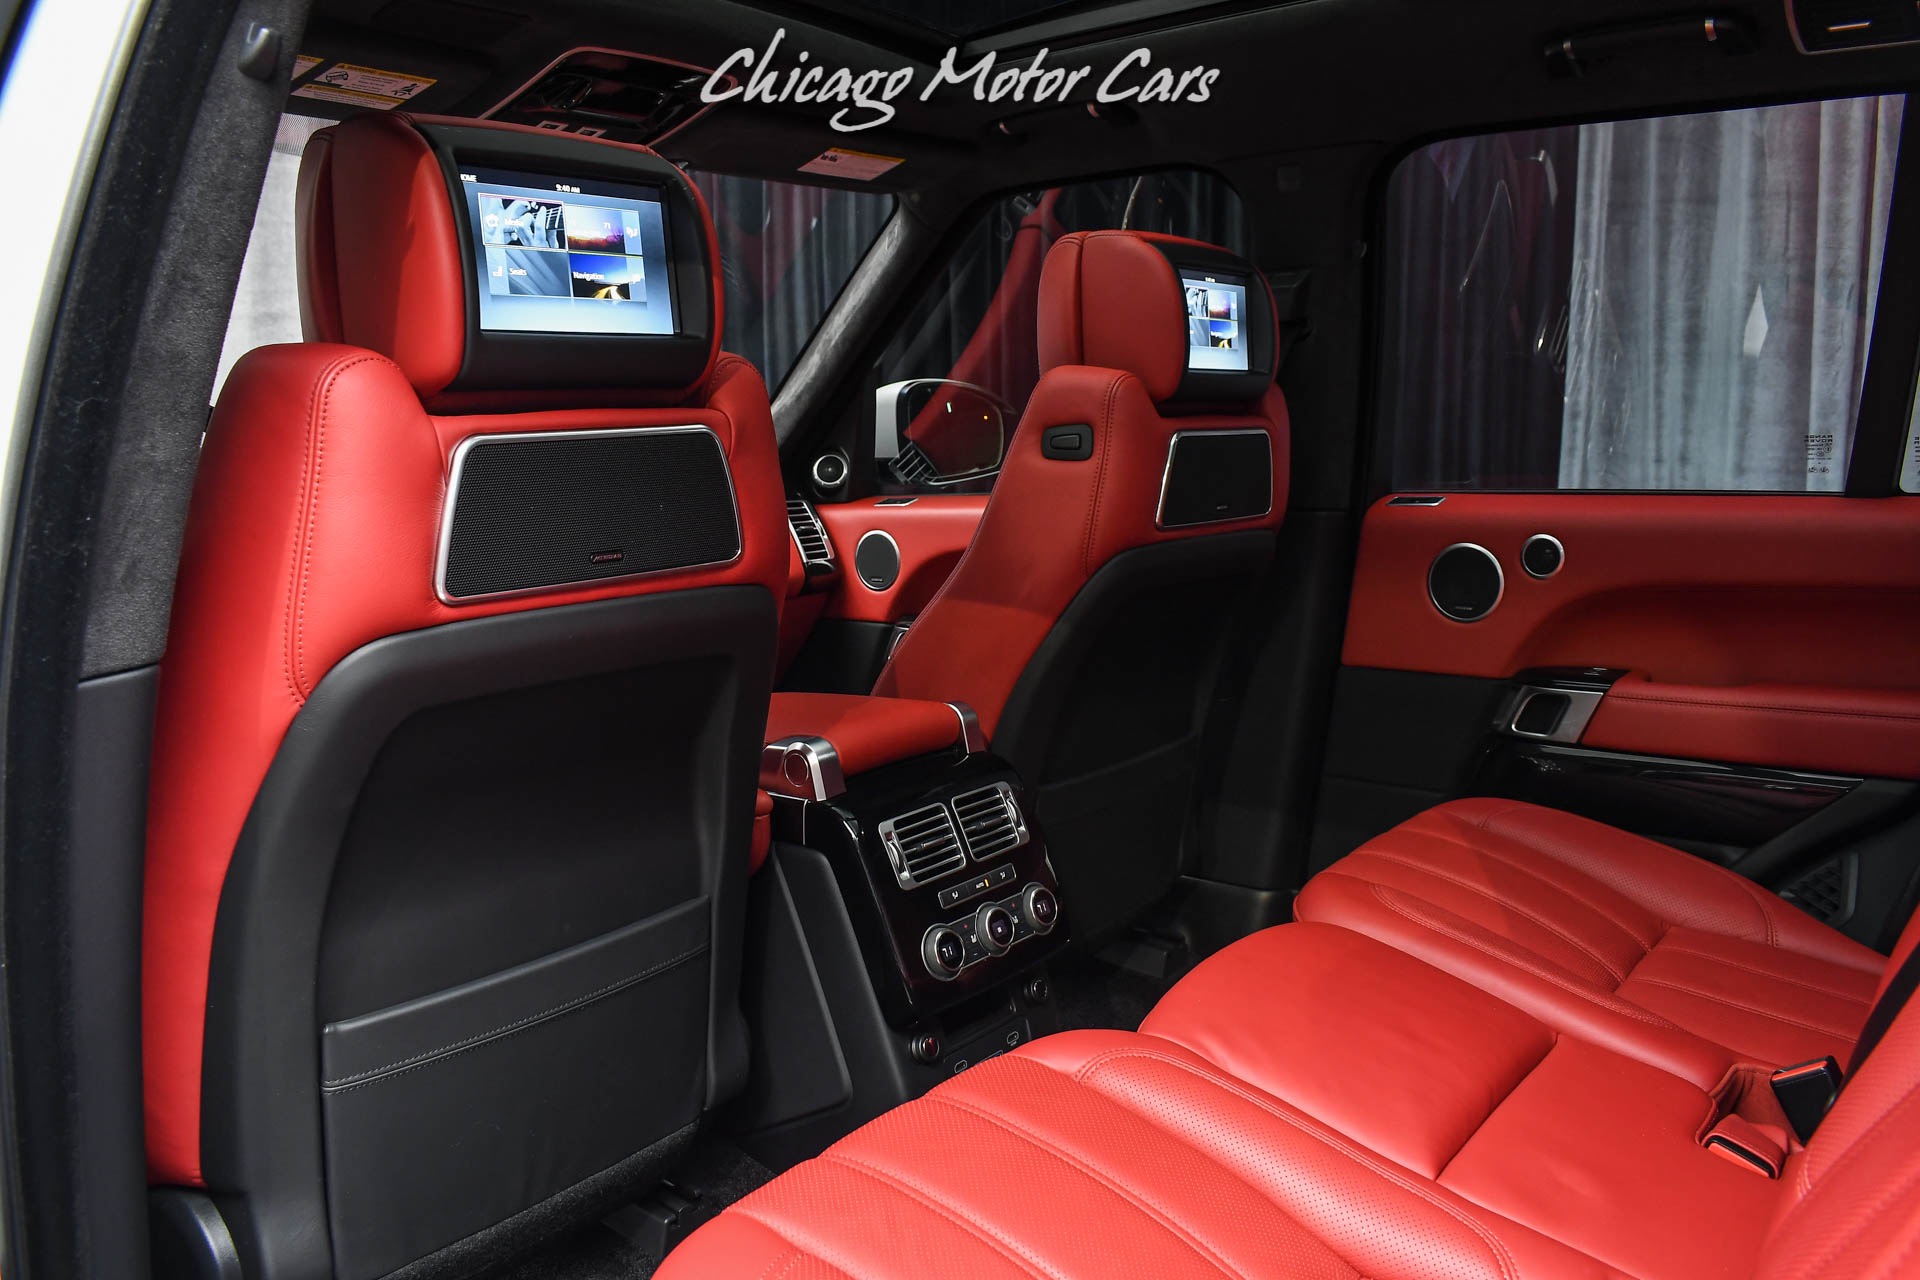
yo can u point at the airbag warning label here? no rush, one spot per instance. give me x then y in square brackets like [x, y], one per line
[363, 87]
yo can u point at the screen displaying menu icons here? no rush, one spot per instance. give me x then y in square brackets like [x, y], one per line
[1216, 323]
[569, 256]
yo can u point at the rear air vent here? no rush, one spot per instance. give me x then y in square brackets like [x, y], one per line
[809, 535]
[1829, 26]
[922, 845]
[991, 821]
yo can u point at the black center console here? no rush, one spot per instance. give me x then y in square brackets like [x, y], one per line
[898, 936]
[945, 874]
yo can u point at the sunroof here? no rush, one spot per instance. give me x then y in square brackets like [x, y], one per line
[954, 19]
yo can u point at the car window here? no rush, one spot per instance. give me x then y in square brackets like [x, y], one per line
[969, 348]
[266, 305]
[1910, 459]
[1675, 303]
[786, 249]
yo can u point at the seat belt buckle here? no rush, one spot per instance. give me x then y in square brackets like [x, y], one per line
[1747, 1145]
[1805, 1091]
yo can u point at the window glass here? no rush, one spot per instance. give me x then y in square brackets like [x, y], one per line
[266, 306]
[978, 322]
[1910, 460]
[1675, 303]
[786, 249]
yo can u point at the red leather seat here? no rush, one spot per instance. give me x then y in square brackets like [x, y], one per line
[1480, 1099]
[1315, 1101]
[1083, 624]
[1590, 927]
[1312, 1103]
[416, 864]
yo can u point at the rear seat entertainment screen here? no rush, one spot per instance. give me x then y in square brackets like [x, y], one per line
[568, 256]
[1216, 320]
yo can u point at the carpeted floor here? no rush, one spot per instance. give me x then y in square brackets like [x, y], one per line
[1088, 993]
[718, 1170]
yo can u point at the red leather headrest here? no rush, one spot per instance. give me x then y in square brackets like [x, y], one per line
[1113, 300]
[382, 257]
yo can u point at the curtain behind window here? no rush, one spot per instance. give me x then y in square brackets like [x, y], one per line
[1676, 303]
[786, 250]
[1724, 275]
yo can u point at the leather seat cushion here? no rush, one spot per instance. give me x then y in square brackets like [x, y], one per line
[1108, 1154]
[1481, 1099]
[1632, 942]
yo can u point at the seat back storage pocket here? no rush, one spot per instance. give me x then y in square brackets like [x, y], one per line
[456, 1110]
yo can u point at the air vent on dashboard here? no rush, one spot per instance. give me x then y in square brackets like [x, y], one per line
[991, 821]
[809, 535]
[922, 845]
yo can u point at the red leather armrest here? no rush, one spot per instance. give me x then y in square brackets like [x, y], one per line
[866, 732]
[1872, 732]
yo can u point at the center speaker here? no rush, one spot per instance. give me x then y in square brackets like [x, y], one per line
[552, 509]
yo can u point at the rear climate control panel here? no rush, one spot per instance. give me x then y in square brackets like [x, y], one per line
[994, 930]
[943, 867]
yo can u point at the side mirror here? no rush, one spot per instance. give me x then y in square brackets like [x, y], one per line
[930, 431]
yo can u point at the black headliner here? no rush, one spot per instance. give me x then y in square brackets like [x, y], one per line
[1293, 77]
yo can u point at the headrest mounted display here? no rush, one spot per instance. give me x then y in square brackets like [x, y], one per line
[1193, 321]
[484, 257]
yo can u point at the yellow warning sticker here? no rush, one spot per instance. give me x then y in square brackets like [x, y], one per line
[363, 86]
[305, 63]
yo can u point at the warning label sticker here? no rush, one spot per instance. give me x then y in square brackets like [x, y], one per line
[861, 166]
[363, 87]
[305, 63]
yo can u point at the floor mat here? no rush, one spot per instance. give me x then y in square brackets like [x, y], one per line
[1091, 993]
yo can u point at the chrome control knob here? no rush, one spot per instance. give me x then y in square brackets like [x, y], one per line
[994, 926]
[1040, 907]
[944, 951]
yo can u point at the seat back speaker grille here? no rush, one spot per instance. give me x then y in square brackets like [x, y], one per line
[554, 509]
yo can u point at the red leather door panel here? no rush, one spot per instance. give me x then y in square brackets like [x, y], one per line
[932, 532]
[1761, 629]
[1864, 731]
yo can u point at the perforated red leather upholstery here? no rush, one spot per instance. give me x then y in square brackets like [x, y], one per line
[1594, 930]
[1852, 1211]
[1103, 1154]
[1483, 1099]
[1312, 1101]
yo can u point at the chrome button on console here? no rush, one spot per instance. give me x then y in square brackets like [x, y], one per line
[1040, 908]
[995, 926]
[944, 951]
